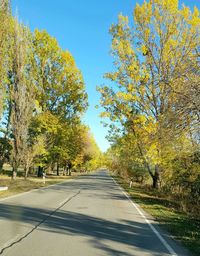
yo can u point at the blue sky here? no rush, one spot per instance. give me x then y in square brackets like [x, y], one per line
[81, 26]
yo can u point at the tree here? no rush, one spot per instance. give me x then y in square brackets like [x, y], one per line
[88, 155]
[61, 96]
[5, 21]
[152, 60]
[21, 92]
[62, 89]
[42, 98]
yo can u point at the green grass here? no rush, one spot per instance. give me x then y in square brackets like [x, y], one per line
[182, 227]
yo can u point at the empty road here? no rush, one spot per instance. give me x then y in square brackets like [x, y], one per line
[87, 216]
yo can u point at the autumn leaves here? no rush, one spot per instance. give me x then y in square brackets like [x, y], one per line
[43, 98]
[152, 106]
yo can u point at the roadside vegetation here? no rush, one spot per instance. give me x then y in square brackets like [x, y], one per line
[42, 101]
[183, 227]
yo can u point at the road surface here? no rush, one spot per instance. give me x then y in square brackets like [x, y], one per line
[88, 216]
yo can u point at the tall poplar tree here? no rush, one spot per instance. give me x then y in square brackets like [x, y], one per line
[5, 21]
[21, 92]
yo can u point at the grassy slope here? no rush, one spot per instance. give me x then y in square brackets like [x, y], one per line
[182, 227]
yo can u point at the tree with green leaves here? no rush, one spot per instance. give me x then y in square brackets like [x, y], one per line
[5, 29]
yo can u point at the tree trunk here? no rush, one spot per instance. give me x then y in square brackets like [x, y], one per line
[14, 172]
[156, 177]
[69, 171]
[40, 171]
[57, 170]
[26, 171]
[1, 165]
[146, 164]
[155, 182]
[69, 168]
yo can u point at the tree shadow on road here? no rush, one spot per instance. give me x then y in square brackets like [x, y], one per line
[101, 233]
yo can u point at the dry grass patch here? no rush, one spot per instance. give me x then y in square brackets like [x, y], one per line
[21, 185]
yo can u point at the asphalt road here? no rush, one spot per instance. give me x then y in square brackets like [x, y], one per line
[88, 216]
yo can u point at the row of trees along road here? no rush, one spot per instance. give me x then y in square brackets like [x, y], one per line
[42, 99]
[152, 104]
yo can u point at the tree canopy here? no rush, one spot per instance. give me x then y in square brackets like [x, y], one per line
[42, 100]
[152, 104]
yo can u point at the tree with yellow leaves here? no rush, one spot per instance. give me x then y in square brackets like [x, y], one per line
[61, 88]
[155, 60]
[42, 97]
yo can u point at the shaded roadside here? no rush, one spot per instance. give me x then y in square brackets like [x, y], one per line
[182, 227]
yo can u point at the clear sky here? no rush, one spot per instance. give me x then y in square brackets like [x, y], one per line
[81, 26]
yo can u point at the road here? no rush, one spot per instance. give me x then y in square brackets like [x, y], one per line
[87, 216]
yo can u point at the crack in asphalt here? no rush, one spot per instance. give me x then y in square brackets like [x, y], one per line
[36, 226]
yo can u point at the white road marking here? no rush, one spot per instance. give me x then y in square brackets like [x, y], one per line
[163, 241]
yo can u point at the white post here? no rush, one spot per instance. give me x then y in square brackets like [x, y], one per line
[43, 177]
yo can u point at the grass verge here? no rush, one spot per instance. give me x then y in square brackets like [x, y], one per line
[21, 185]
[182, 227]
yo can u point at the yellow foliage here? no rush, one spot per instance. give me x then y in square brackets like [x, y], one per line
[185, 12]
[195, 20]
[144, 49]
[153, 153]
[104, 114]
[140, 119]
[156, 64]
[140, 10]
